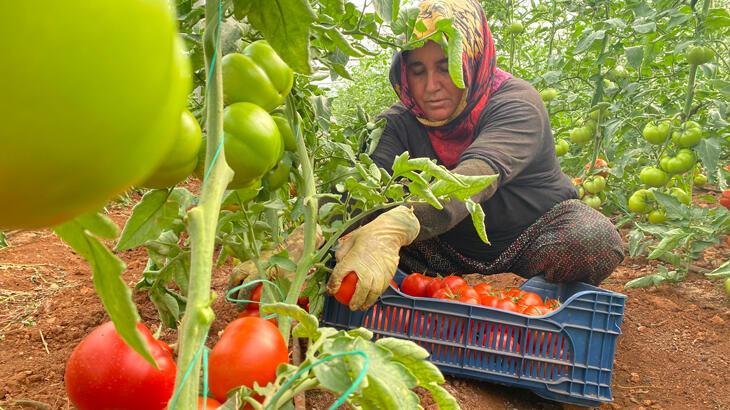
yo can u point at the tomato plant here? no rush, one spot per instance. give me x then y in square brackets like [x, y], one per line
[248, 352]
[103, 372]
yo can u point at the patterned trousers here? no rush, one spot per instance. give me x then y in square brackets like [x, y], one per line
[571, 242]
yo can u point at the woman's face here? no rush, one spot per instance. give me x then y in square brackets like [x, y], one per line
[427, 72]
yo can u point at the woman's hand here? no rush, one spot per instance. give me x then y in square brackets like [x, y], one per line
[372, 252]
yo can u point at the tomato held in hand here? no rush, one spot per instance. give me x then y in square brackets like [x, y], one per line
[104, 373]
[347, 288]
[248, 352]
[415, 284]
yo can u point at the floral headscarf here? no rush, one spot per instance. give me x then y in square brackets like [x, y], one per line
[452, 136]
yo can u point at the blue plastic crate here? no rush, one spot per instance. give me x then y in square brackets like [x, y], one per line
[565, 356]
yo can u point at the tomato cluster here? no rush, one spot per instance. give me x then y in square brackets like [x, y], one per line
[592, 189]
[455, 288]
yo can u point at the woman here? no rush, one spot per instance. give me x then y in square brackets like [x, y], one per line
[497, 124]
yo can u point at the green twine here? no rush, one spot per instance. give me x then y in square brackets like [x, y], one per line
[344, 395]
[230, 298]
[201, 350]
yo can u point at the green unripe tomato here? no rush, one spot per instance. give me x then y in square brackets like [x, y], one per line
[581, 192]
[700, 180]
[657, 216]
[258, 75]
[515, 28]
[287, 135]
[593, 201]
[548, 94]
[561, 147]
[181, 160]
[688, 135]
[277, 177]
[252, 145]
[594, 184]
[656, 133]
[681, 195]
[697, 55]
[640, 202]
[90, 103]
[653, 177]
[580, 135]
[680, 163]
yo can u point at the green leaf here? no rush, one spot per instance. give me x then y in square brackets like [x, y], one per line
[167, 306]
[285, 24]
[387, 9]
[424, 193]
[709, 152]
[413, 357]
[99, 225]
[635, 56]
[670, 204]
[469, 186]
[645, 281]
[283, 262]
[403, 164]
[455, 49]
[477, 218]
[644, 28]
[3, 240]
[342, 42]
[637, 243]
[111, 289]
[722, 271]
[717, 19]
[444, 400]
[153, 214]
[669, 242]
[589, 36]
[723, 86]
[307, 322]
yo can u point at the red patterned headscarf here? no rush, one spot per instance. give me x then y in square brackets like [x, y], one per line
[481, 76]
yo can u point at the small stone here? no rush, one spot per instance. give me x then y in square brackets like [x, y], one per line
[635, 378]
[54, 286]
[641, 328]
[648, 402]
[717, 320]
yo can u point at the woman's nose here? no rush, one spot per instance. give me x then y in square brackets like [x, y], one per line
[433, 82]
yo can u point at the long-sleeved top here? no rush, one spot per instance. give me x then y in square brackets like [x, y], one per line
[514, 139]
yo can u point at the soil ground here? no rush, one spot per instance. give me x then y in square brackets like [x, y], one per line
[674, 352]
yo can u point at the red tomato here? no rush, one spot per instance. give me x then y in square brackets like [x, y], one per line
[436, 284]
[255, 298]
[488, 300]
[393, 284]
[600, 164]
[347, 288]
[166, 347]
[535, 310]
[104, 373]
[468, 299]
[530, 299]
[443, 293]
[513, 292]
[507, 304]
[303, 302]
[483, 288]
[416, 285]
[249, 351]
[453, 281]
[466, 291]
[552, 303]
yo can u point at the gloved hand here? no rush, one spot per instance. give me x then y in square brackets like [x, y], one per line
[372, 252]
[246, 271]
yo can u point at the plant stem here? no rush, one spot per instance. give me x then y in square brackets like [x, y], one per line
[310, 205]
[202, 225]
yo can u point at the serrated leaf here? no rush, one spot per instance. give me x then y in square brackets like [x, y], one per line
[709, 152]
[589, 36]
[106, 269]
[154, 213]
[334, 374]
[285, 24]
[342, 43]
[308, 322]
[637, 244]
[283, 262]
[360, 332]
[444, 400]
[669, 203]
[477, 218]
[166, 305]
[645, 281]
[717, 19]
[3, 240]
[645, 28]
